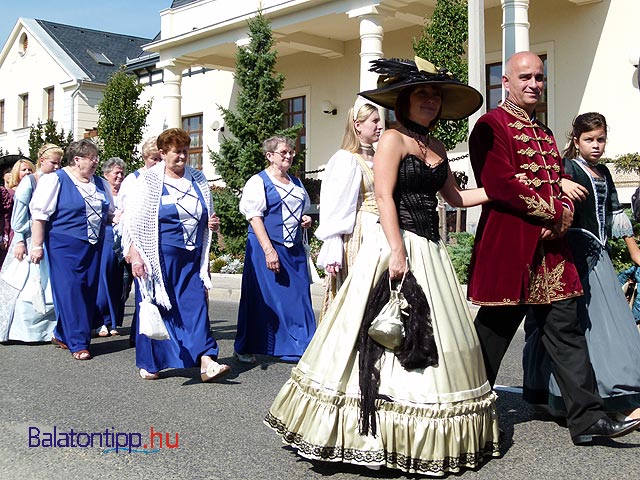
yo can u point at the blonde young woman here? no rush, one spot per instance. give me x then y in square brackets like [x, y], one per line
[19, 320]
[348, 211]
[20, 169]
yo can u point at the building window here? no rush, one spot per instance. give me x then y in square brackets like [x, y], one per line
[49, 93]
[493, 74]
[100, 58]
[24, 44]
[1, 116]
[24, 104]
[295, 113]
[149, 76]
[193, 126]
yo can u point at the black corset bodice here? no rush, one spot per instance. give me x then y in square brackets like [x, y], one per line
[415, 196]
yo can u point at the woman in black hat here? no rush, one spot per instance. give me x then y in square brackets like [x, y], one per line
[424, 406]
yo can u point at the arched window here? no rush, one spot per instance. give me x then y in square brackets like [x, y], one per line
[24, 44]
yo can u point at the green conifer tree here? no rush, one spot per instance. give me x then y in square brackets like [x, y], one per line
[46, 132]
[121, 119]
[442, 43]
[258, 115]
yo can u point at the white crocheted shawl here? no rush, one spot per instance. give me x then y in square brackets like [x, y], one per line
[141, 226]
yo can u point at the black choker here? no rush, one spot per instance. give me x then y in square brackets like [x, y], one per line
[416, 127]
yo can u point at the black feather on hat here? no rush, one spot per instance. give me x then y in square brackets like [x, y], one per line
[458, 100]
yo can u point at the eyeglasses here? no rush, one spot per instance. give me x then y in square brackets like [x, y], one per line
[286, 153]
[91, 159]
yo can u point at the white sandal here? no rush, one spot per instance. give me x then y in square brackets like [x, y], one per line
[148, 375]
[214, 371]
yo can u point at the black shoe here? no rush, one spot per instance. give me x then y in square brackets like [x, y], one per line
[605, 427]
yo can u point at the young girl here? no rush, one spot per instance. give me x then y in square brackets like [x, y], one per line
[348, 212]
[613, 340]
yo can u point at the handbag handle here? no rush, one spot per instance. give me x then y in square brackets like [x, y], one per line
[406, 264]
[143, 284]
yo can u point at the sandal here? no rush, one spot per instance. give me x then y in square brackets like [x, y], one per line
[114, 333]
[145, 375]
[102, 331]
[214, 371]
[81, 355]
[59, 344]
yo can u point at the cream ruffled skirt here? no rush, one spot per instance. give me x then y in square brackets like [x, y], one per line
[430, 421]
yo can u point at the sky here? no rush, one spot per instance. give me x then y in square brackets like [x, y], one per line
[140, 18]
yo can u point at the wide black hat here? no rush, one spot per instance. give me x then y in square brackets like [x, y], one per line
[458, 100]
[9, 160]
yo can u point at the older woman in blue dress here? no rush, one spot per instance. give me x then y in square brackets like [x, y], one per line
[20, 319]
[167, 234]
[110, 300]
[275, 316]
[70, 210]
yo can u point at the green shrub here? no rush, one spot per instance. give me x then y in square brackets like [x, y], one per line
[217, 264]
[226, 264]
[460, 247]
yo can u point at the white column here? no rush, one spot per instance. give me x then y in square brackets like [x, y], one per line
[515, 27]
[477, 79]
[476, 54]
[371, 33]
[173, 96]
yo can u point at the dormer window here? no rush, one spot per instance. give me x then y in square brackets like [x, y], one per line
[24, 44]
[100, 58]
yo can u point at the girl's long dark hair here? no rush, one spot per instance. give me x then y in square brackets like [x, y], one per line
[583, 123]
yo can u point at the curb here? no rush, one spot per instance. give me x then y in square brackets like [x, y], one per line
[226, 288]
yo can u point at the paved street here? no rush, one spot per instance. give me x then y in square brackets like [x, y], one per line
[216, 429]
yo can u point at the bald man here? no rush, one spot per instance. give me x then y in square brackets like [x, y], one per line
[520, 258]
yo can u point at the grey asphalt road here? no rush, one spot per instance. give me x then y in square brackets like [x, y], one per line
[215, 431]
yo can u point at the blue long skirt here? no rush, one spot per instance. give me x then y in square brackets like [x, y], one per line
[110, 311]
[74, 270]
[18, 318]
[187, 321]
[275, 315]
[610, 332]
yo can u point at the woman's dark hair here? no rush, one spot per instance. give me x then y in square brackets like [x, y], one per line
[583, 123]
[80, 148]
[402, 107]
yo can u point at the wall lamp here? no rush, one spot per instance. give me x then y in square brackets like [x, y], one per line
[634, 59]
[217, 126]
[329, 108]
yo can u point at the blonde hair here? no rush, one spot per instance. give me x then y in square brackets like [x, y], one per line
[149, 147]
[15, 172]
[46, 151]
[351, 141]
